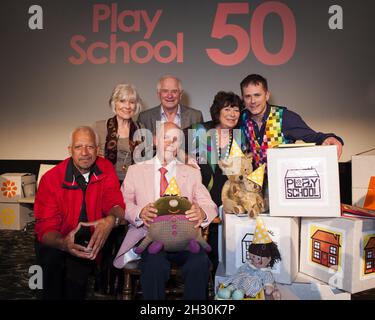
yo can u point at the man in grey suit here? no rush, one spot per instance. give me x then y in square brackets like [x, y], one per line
[169, 91]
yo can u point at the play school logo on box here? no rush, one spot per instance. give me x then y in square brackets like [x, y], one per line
[303, 182]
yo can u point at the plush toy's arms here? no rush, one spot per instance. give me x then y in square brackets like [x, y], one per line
[228, 204]
[154, 248]
[204, 244]
[143, 245]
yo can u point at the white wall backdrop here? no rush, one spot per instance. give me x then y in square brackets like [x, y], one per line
[328, 78]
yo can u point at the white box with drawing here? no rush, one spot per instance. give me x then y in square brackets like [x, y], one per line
[303, 182]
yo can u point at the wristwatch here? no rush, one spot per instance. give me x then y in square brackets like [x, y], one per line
[117, 221]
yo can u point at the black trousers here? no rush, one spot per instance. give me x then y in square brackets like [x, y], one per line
[155, 271]
[64, 276]
[109, 279]
[213, 240]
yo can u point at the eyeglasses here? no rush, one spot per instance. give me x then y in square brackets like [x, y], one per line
[166, 91]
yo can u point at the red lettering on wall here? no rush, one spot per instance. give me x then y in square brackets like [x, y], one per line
[113, 51]
[134, 53]
[90, 53]
[101, 12]
[140, 52]
[82, 53]
[257, 40]
[221, 29]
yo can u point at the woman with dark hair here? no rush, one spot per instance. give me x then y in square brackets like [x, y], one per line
[211, 141]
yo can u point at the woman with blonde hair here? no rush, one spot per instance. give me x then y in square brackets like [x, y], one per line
[116, 134]
[117, 143]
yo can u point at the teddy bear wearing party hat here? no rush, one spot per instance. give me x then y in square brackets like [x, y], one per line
[242, 193]
[171, 230]
[255, 276]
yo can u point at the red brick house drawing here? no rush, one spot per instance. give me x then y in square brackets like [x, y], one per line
[370, 256]
[325, 248]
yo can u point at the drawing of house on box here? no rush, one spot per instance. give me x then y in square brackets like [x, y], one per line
[369, 253]
[245, 243]
[302, 184]
[325, 248]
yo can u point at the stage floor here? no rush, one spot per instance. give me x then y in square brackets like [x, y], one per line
[17, 255]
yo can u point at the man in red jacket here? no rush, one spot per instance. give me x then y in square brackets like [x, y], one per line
[77, 205]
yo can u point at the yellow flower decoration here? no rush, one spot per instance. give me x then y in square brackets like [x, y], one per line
[9, 189]
[7, 216]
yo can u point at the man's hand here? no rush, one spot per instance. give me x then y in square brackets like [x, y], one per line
[75, 249]
[103, 227]
[148, 214]
[334, 141]
[196, 213]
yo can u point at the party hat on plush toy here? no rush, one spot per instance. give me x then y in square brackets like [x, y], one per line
[257, 176]
[261, 235]
[235, 150]
[173, 188]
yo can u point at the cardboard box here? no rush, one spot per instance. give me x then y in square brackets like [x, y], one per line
[307, 288]
[363, 168]
[220, 276]
[303, 182]
[237, 234]
[16, 185]
[339, 251]
[14, 216]
[304, 287]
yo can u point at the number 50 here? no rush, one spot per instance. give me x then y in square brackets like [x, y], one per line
[222, 29]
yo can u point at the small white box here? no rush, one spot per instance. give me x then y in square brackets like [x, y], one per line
[303, 182]
[308, 288]
[14, 216]
[363, 168]
[237, 235]
[220, 275]
[14, 186]
[339, 251]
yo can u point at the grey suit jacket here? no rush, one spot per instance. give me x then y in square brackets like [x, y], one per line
[189, 116]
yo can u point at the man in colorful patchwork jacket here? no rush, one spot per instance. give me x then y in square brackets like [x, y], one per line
[266, 126]
[77, 204]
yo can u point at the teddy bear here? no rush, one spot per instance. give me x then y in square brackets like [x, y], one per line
[239, 194]
[171, 230]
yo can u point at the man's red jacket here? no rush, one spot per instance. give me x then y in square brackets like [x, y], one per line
[59, 198]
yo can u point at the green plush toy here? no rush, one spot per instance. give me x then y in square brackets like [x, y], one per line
[171, 230]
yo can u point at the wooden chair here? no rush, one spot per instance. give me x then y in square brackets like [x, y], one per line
[174, 287]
